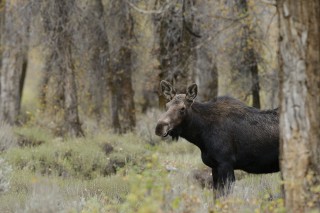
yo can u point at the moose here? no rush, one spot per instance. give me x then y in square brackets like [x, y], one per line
[229, 134]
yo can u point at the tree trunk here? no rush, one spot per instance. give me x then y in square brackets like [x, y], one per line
[51, 94]
[14, 61]
[72, 124]
[176, 41]
[206, 75]
[120, 76]
[206, 71]
[255, 87]
[247, 62]
[59, 44]
[1, 34]
[71, 115]
[300, 103]
[46, 75]
[99, 59]
[1, 41]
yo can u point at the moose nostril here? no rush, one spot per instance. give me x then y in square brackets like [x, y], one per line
[161, 128]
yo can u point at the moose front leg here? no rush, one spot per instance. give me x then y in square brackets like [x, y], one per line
[223, 177]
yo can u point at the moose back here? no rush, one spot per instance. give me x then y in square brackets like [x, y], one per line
[229, 134]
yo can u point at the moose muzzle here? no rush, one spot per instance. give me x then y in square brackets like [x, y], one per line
[162, 128]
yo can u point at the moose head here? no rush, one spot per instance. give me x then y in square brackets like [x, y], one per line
[177, 109]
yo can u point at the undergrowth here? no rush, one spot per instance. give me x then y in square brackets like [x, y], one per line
[104, 172]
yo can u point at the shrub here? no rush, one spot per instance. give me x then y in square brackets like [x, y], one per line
[111, 173]
[146, 124]
[48, 197]
[44, 198]
[254, 192]
[62, 159]
[80, 158]
[33, 136]
[147, 190]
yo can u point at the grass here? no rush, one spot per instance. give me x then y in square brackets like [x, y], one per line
[105, 172]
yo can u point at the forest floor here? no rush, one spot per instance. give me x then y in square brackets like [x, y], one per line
[105, 172]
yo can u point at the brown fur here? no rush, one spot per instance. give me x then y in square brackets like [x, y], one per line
[229, 134]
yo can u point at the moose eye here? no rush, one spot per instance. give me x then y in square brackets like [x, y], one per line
[182, 109]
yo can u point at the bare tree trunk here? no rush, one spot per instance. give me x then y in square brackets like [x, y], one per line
[52, 83]
[255, 87]
[64, 43]
[247, 60]
[58, 31]
[300, 103]
[206, 75]
[46, 75]
[176, 41]
[1, 34]
[14, 60]
[120, 77]
[99, 58]
[122, 104]
[71, 115]
[1, 37]
[206, 71]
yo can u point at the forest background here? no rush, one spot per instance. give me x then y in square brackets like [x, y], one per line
[80, 99]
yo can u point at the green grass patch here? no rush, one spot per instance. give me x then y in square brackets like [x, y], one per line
[82, 158]
[61, 159]
[33, 136]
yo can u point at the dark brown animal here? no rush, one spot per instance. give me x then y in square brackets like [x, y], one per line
[229, 134]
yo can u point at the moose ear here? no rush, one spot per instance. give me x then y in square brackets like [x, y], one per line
[167, 90]
[192, 92]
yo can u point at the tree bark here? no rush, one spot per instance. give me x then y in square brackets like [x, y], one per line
[59, 44]
[255, 87]
[300, 103]
[46, 76]
[99, 59]
[71, 115]
[176, 41]
[14, 60]
[206, 75]
[206, 71]
[1, 33]
[120, 76]
[51, 94]
[72, 123]
[247, 62]
[1, 41]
